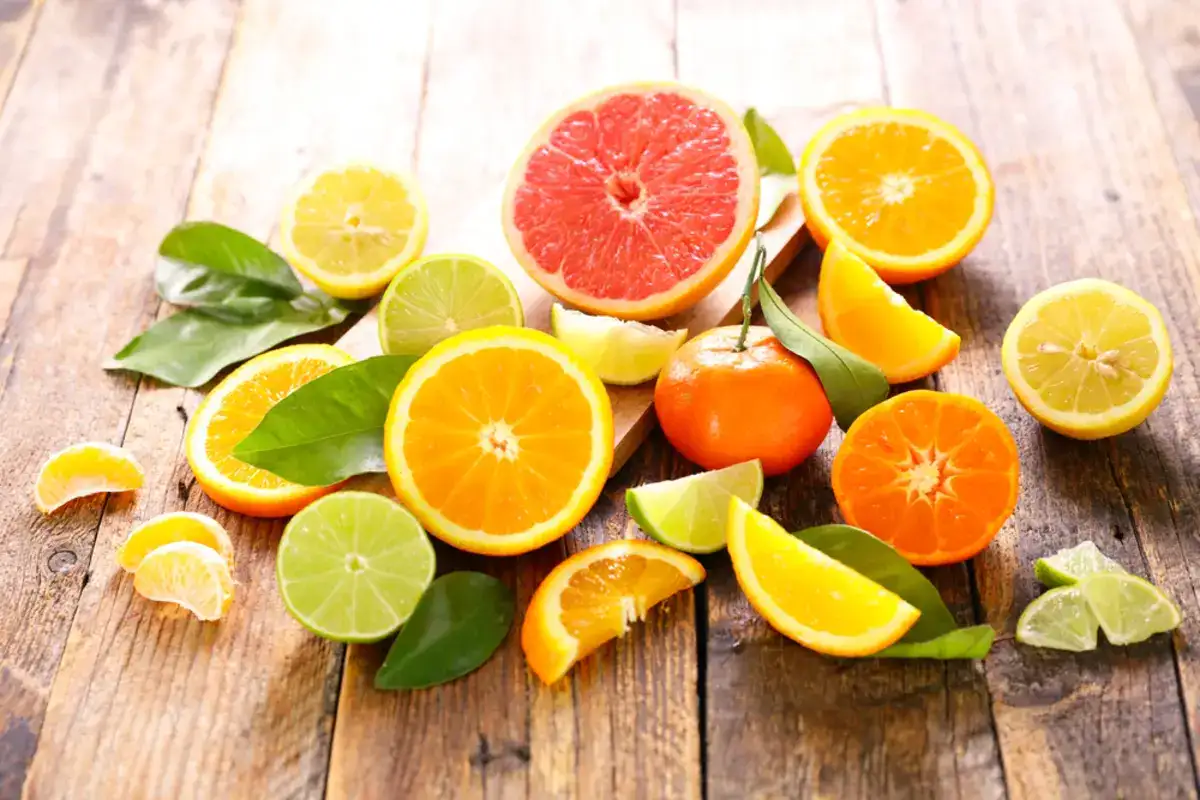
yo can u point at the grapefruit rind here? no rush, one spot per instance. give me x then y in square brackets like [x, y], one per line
[687, 292]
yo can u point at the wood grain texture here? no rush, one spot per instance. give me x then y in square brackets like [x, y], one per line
[782, 720]
[625, 723]
[149, 702]
[17, 21]
[77, 206]
[1086, 186]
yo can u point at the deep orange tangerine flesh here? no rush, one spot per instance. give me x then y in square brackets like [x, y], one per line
[933, 474]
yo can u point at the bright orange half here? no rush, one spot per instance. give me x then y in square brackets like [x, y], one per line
[865, 315]
[233, 409]
[499, 440]
[591, 598]
[933, 474]
[907, 191]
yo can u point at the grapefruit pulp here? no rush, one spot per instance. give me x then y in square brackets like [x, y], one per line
[634, 201]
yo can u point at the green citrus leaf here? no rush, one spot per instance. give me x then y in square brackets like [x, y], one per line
[972, 642]
[189, 348]
[460, 621]
[330, 428]
[776, 168]
[851, 383]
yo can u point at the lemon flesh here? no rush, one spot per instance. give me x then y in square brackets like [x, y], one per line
[622, 353]
[1088, 358]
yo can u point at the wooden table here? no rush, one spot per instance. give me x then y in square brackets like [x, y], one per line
[122, 117]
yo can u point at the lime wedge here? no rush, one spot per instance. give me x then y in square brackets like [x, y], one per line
[352, 566]
[1129, 608]
[1073, 565]
[436, 297]
[1060, 619]
[622, 353]
[692, 513]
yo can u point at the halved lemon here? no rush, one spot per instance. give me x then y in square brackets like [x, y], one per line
[233, 409]
[865, 315]
[499, 440]
[176, 526]
[84, 469]
[908, 192]
[591, 598]
[808, 596]
[188, 574]
[1088, 358]
[351, 229]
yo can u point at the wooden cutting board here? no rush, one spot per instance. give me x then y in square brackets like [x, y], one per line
[480, 233]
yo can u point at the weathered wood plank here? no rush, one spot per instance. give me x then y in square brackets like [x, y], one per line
[1086, 185]
[77, 205]
[625, 723]
[148, 702]
[781, 720]
[17, 21]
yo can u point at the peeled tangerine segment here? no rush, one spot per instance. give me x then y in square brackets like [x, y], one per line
[178, 526]
[189, 574]
[85, 469]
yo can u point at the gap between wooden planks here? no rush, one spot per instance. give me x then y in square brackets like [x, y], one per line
[479, 233]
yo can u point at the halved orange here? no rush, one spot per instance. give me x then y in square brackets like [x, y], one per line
[908, 192]
[499, 440]
[84, 469]
[865, 315]
[591, 598]
[634, 201]
[233, 409]
[808, 596]
[933, 474]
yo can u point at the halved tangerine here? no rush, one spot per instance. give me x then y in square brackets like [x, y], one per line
[933, 474]
[591, 598]
[634, 201]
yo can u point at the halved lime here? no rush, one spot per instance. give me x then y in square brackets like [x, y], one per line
[1060, 619]
[622, 353]
[1129, 608]
[352, 566]
[1073, 564]
[691, 513]
[435, 297]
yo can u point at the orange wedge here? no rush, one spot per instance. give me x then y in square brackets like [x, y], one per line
[84, 469]
[863, 314]
[592, 597]
[808, 596]
[233, 409]
[499, 440]
[908, 193]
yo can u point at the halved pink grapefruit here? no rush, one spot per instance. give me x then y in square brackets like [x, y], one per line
[634, 201]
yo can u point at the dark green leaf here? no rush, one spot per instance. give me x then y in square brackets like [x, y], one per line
[772, 153]
[878, 560]
[189, 348]
[972, 642]
[222, 296]
[460, 621]
[330, 428]
[851, 383]
[206, 264]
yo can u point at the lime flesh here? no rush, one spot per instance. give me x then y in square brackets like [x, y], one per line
[1060, 619]
[438, 296]
[1073, 564]
[622, 353]
[352, 566]
[691, 513]
[1129, 608]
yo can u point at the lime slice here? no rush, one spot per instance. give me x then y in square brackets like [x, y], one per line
[692, 513]
[352, 566]
[436, 297]
[1060, 619]
[1129, 608]
[623, 353]
[1073, 565]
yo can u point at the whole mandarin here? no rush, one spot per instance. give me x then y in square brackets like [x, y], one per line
[719, 406]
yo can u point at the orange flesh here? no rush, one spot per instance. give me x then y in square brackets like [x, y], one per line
[631, 197]
[245, 407]
[896, 187]
[499, 440]
[933, 474]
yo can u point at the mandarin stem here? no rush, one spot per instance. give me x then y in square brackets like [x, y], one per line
[757, 266]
